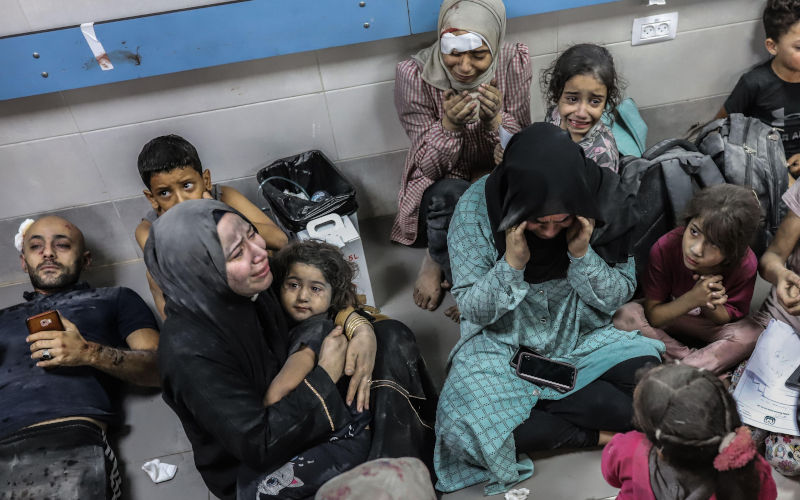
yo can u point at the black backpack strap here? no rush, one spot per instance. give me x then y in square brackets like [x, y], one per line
[679, 186]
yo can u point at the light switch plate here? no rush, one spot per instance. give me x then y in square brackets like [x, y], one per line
[654, 29]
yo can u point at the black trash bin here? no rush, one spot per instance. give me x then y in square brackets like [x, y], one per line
[307, 173]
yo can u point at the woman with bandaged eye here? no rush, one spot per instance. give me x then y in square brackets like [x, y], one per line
[455, 99]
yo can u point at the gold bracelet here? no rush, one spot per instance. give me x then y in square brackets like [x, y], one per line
[352, 324]
[343, 315]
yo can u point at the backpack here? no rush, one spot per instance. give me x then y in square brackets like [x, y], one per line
[750, 153]
[664, 179]
[628, 128]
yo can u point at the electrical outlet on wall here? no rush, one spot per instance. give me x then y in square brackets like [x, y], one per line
[653, 29]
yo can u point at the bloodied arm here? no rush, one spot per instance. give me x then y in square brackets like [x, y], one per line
[137, 365]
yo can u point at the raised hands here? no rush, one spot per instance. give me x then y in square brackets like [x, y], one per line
[578, 236]
[708, 291]
[788, 289]
[517, 252]
[491, 100]
[459, 109]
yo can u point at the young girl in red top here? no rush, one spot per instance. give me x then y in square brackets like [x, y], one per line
[691, 443]
[699, 283]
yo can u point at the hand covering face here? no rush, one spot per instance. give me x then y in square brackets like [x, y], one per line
[485, 17]
[545, 173]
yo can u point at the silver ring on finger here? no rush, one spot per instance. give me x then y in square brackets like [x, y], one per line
[46, 355]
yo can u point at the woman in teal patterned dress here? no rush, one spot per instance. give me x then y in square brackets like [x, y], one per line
[526, 274]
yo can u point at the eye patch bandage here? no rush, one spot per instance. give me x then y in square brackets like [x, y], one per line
[461, 43]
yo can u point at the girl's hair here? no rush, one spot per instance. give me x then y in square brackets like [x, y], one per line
[780, 16]
[582, 59]
[330, 261]
[685, 413]
[731, 215]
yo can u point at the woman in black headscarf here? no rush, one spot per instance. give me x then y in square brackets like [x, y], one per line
[525, 274]
[225, 339]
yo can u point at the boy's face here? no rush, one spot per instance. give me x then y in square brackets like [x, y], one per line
[174, 186]
[786, 49]
[305, 292]
[699, 254]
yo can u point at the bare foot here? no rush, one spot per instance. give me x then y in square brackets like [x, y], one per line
[604, 437]
[428, 291]
[453, 313]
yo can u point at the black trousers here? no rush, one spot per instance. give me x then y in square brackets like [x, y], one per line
[435, 211]
[64, 460]
[575, 421]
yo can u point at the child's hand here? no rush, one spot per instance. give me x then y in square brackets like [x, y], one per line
[207, 196]
[708, 291]
[458, 109]
[578, 236]
[332, 354]
[788, 289]
[491, 103]
[517, 252]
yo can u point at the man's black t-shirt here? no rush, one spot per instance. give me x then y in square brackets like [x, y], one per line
[760, 93]
[30, 394]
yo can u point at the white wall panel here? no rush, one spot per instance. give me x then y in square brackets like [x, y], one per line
[195, 91]
[365, 121]
[232, 142]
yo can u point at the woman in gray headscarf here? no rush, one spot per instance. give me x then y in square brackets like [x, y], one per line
[224, 340]
[454, 99]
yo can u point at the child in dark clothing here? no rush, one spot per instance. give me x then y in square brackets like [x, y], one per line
[314, 280]
[699, 282]
[771, 90]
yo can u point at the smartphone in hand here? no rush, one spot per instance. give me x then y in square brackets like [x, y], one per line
[49, 320]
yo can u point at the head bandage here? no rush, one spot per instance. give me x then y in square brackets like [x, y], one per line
[20, 236]
[461, 43]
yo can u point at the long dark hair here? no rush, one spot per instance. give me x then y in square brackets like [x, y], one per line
[731, 215]
[582, 59]
[685, 413]
[330, 261]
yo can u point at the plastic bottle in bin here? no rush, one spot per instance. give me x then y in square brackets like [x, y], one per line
[320, 196]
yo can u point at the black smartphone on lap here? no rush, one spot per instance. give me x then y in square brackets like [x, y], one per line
[546, 372]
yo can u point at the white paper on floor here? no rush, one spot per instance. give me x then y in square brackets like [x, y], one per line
[518, 494]
[761, 395]
[159, 472]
